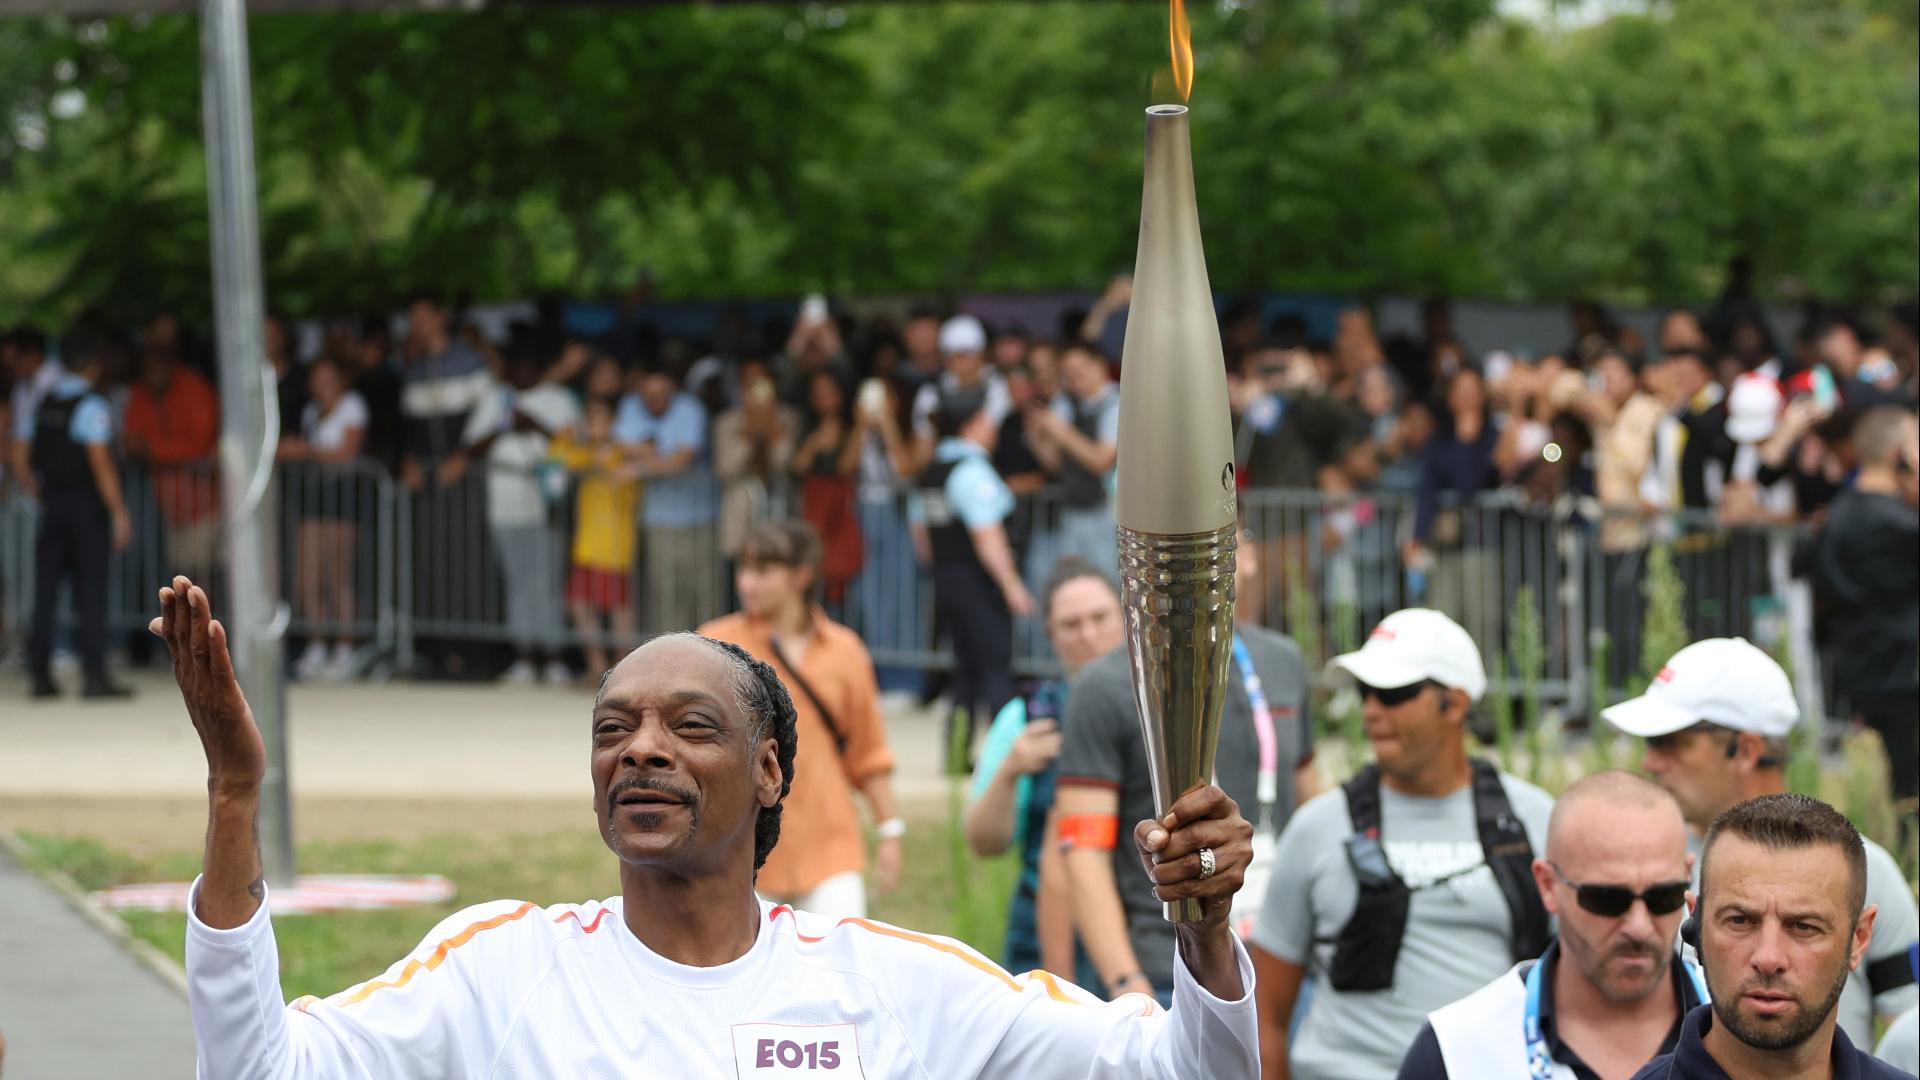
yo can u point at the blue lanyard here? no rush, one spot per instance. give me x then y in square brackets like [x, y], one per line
[1268, 790]
[1539, 1059]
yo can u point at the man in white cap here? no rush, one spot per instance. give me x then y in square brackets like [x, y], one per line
[963, 358]
[1716, 721]
[1411, 886]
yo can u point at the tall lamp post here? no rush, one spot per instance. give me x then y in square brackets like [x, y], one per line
[250, 417]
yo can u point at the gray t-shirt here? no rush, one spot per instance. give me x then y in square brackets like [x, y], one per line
[1104, 748]
[1459, 932]
[1900, 1046]
[1894, 931]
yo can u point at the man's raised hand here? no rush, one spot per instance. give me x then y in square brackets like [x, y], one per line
[1170, 853]
[202, 665]
[232, 885]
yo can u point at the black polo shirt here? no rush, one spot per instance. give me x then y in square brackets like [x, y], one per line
[1690, 1060]
[1425, 1062]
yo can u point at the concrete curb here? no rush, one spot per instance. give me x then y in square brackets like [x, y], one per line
[106, 922]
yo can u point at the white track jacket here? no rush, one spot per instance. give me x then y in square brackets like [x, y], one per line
[510, 991]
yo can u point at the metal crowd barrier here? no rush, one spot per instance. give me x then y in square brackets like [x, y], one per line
[483, 559]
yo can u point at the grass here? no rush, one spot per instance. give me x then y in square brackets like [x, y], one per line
[322, 954]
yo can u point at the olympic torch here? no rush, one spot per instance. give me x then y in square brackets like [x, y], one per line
[1175, 505]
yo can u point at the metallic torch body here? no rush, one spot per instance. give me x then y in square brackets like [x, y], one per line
[1175, 504]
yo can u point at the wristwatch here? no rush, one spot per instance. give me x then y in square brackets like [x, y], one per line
[891, 829]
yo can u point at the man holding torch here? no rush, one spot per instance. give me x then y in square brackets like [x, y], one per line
[685, 972]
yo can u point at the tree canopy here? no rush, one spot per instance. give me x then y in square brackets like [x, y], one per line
[1392, 146]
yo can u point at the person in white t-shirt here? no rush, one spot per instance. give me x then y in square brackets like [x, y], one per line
[963, 366]
[686, 973]
[511, 428]
[331, 428]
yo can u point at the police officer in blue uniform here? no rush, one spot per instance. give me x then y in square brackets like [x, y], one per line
[81, 514]
[959, 518]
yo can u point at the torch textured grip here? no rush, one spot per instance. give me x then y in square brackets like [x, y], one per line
[1178, 594]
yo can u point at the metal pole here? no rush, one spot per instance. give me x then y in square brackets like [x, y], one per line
[250, 421]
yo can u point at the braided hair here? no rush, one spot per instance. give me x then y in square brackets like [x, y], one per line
[764, 698]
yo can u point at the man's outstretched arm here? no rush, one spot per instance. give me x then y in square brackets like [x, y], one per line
[231, 881]
[244, 1028]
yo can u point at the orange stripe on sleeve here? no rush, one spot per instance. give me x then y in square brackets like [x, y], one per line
[1044, 978]
[1053, 988]
[439, 956]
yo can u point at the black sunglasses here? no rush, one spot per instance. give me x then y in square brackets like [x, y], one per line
[1613, 901]
[1395, 695]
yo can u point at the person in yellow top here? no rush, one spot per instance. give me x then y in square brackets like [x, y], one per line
[603, 535]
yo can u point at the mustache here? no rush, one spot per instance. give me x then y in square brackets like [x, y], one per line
[1771, 984]
[648, 783]
[1634, 949]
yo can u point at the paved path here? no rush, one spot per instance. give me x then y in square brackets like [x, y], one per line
[402, 740]
[73, 1002]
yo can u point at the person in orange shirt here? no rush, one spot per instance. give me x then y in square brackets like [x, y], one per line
[843, 739]
[173, 427]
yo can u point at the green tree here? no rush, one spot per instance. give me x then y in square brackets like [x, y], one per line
[1412, 146]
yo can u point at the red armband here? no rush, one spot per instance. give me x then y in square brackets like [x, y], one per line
[1097, 831]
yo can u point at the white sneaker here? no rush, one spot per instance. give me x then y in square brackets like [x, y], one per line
[557, 673]
[311, 661]
[520, 674]
[340, 666]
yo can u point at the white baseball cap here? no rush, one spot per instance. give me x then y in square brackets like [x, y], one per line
[1753, 408]
[1415, 644]
[1724, 681]
[962, 333]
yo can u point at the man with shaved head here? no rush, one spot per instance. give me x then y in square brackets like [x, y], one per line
[684, 973]
[1609, 994]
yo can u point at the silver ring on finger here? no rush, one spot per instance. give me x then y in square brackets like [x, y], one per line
[1207, 863]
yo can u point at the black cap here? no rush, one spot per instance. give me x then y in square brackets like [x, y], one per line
[956, 408]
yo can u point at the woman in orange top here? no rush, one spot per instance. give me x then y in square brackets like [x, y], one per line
[820, 861]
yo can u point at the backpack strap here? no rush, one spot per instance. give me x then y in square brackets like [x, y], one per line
[1509, 854]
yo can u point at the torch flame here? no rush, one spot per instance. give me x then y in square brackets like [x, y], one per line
[1180, 35]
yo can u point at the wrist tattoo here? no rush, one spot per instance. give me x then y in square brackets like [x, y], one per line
[257, 889]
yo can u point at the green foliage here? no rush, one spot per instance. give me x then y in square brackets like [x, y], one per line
[1528, 643]
[1803, 760]
[1346, 721]
[1418, 146]
[1500, 702]
[1664, 625]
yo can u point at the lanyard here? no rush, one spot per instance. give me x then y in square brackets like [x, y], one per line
[1539, 1059]
[1269, 786]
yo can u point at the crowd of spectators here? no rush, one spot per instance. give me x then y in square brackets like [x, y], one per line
[1372, 463]
[572, 491]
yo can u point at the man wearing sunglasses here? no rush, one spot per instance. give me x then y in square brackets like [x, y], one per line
[1716, 721]
[1609, 994]
[1412, 885]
